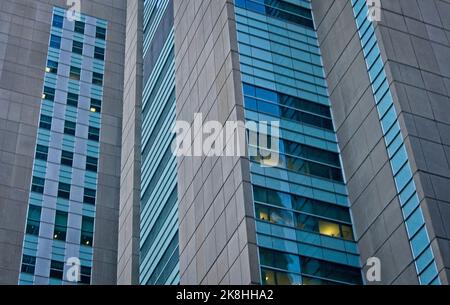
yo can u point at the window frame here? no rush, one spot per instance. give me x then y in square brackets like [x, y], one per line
[64, 190]
[77, 47]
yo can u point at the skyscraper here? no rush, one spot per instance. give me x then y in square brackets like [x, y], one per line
[62, 85]
[360, 91]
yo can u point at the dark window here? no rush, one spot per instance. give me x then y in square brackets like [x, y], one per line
[301, 204]
[288, 107]
[279, 260]
[64, 190]
[96, 105]
[272, 277]
[91, 164]
[28, 264]
[58, 21]
[56, 270]
[100, 33]
[97, 79]
[33, 220]
[87, 231]
[52, 67]
[37, 185]
[45, 122]
[60, 226]
[75, 73]
[89, 196]
[99, 53]
[55, 41]
[322, 269]
[85, 275]
[94, 134]
[69, 128]
[79, 27]
[67, 158]
[77, 47]
[41, 152]
[279, 9]
[72, 99]
[49, 94]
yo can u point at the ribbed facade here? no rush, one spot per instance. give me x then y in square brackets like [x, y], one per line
[303, 223]
[159, 200]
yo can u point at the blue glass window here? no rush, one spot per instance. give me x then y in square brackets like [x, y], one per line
[58, 21]
[55, 41]
[33, 220]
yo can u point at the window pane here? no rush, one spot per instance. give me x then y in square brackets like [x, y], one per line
[77, 47]
[91, 164]
[37, 185]
[41, 152]
[97, 79]
[55, 41]
[329, 228]
[79, 27]
[99, 53]
[96, 105]
[67, 158]
[268, 277]
[89, 196]
[87, 231]
[69, 128]
[52, 67]
[64, 190]
[58, 21]
[60, 226]
[94, 134]
[45, 122]
[75, 73]
[100, 33]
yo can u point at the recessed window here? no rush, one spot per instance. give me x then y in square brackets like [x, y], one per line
[45, 122]
[52, 67]
[49, 94]
[89, 196]
[56, 270]
[100, 33]
[60, 230]
[28, 264]
[97, 79]
[77, 47]
[96, 105]
[79, 27]
[99, 53]
[91, 164]
[41, 152]
[87, 231]
[85, 275]
[94, 134]
[64, 190]
[69, 128]
[75, 73]
[72, 99]
[67, 158]
[55, 42]
[58, 21]
[37, 185]
[33, 220]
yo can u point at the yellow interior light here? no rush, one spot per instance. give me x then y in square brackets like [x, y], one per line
[328, 228]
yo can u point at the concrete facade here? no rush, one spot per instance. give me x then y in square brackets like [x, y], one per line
[216, 234]
[128, 246]
[24, 43]
[413, 38]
